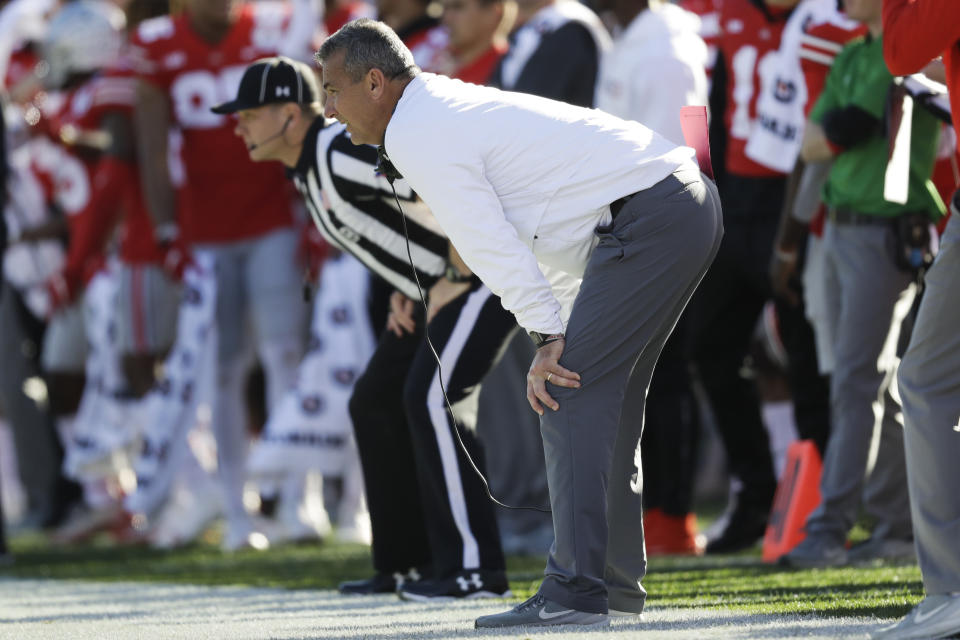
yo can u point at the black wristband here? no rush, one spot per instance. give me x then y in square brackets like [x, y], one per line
[543, 339]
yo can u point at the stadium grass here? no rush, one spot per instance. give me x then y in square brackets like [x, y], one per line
[735, 583]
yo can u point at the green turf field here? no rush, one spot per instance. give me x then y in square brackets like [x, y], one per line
[740, 582]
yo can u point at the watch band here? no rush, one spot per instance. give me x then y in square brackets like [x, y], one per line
[543, 339]
[454, 275]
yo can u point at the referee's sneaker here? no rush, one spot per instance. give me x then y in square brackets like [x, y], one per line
[469, 583]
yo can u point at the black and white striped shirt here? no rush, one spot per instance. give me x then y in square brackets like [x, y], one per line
[354, 208]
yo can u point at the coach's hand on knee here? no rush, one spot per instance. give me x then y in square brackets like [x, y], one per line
[546, 368]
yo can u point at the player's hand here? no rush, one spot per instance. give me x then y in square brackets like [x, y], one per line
[176, 259]
[545, 369]
[783, 267]
[400, 319]
[936, 71]
[61, 291]
[175, 254]
[442, 293]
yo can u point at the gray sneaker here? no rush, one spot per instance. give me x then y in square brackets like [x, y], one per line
[540, 612]
[935, 617]
[888, 549]
[816, 551]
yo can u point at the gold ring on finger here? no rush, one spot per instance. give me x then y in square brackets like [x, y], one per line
[549, 375]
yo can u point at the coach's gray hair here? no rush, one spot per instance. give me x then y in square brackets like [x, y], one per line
[369, 44]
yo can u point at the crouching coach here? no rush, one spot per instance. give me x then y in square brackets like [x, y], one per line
[594, 232]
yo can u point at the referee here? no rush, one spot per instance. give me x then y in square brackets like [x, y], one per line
[434, 530]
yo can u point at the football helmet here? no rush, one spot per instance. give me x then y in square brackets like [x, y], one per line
[83, 37]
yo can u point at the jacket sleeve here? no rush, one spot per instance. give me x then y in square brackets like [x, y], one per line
[917, 31]
[465, 204]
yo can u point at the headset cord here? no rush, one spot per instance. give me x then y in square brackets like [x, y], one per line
[443, 390]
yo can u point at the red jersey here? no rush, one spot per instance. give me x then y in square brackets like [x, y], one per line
[68, 172]
[118, 182]
[477, 72]
[480, 70]
[225, 196]
[429, 47]
[820, 43]
[914, 33]
[747, 38]
[65, 172]
[21, 64]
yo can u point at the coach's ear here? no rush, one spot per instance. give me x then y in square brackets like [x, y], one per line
[375, 83]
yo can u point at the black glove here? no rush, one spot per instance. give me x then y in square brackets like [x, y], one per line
[849, 126]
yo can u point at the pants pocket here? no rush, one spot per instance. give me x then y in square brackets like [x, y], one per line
[608, 242]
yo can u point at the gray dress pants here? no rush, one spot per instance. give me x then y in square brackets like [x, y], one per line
[863, 287]
[930, 389]
[637, 282]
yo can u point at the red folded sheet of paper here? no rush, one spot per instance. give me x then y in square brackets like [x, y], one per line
[693, 121]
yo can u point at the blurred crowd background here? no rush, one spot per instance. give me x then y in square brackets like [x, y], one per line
[149, 392]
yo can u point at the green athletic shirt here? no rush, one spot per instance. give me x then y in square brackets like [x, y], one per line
[859, 76]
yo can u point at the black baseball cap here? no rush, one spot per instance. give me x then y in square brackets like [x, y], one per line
[273, 81]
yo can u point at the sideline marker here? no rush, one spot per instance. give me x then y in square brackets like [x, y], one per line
[696, 134]
[797, 495]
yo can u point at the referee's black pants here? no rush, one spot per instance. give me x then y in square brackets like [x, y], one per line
[428, 508]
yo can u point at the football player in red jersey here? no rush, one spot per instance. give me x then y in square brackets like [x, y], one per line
[81, 40]
[101, 119]
[225, 204]
[725, 309]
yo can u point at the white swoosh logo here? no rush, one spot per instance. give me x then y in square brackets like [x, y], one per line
[922, 617]
[544, 615]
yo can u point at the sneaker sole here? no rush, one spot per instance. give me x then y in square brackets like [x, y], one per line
[476, 595]
[583, 625]
[613, 613]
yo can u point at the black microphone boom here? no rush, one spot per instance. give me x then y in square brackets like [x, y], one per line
[283, 130]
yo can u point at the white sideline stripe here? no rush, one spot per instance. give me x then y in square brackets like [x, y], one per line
[438, 416]
[45, 609]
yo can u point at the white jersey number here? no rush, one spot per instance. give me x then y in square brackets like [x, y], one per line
[70, 177]
[194, 93]
[744, 63]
